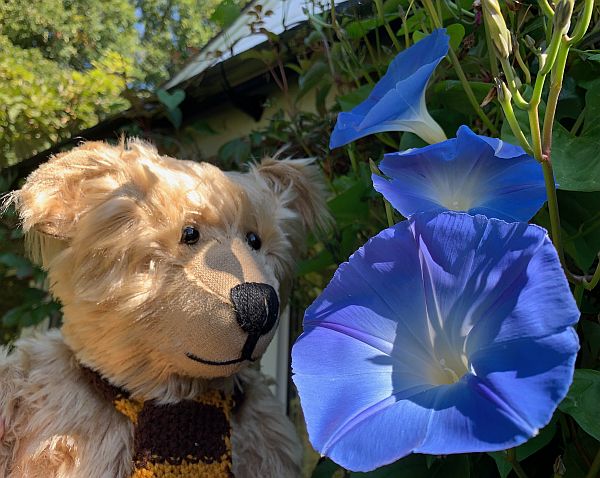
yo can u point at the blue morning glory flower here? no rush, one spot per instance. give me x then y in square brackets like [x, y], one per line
[397, 102]
[446, 333]
[470, 173]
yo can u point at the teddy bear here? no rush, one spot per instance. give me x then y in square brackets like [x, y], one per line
[171, 276]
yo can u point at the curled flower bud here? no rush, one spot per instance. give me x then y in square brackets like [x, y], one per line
[494, 22]
[502, 90]
[562, 15]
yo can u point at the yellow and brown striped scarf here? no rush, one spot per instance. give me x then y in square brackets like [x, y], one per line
[190, 439]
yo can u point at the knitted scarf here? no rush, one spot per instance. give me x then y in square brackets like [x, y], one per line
[190, 439]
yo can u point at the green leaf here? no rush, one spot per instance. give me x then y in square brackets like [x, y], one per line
[580, 221]
[12, 317]
[321, 99]
[202, 127]
[325, 469]
[316, 263]
[19, 264]
[170, 100]
[226, 13]
[418, 35]
[504, 467]
[236, 151]
[354, 98]
[456, 32]
[410, 140]
[175, 117]
[450, 94]
[317, 73]
[576, 160]
[359, 28]
[351, 205]
[582, 401]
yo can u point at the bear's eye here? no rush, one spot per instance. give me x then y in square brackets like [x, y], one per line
[253, 241]
[190, 235]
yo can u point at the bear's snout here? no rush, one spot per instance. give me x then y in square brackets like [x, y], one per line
[256, 307]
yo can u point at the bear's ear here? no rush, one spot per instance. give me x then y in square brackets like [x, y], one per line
[299, 183]
[55, 194]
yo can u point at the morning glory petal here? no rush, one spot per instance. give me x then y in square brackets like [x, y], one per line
[470, 173]
[397, 102]
[502, 149]
[446, 333]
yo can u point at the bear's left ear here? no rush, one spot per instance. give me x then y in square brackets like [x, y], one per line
[299, 183]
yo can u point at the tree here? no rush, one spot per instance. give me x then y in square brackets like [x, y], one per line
[67, 64]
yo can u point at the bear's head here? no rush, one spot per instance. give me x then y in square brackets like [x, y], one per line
[167, 270]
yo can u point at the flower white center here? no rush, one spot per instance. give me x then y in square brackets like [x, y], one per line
[458, 203]
[449, 369]
[457, 192]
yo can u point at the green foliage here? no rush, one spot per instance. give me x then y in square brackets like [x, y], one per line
[172, 31]
[68, 64]
[43, 102]
[70, 33]
[24, 300]
[582, 401]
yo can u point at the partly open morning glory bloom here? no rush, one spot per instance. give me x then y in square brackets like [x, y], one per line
[470, 173]
[397, 102]
[446, 333]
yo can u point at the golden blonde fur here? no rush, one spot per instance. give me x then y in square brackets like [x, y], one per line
[106, 223]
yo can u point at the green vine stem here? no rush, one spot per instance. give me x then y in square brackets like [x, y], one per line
[353, 161]
[556, 80]
[504, 98]
[459, 71]
[386, 25]
[520, 61]
[511, 456]
[512, 84]
[546, 8]
[583, 23]
[556, 64]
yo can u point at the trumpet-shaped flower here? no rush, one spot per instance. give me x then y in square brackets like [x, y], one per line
[446, 333]
[469, 173]
[397, 102]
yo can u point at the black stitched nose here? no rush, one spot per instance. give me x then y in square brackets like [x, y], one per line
[256, 307]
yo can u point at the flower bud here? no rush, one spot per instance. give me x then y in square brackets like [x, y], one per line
[530, 42]
[502, 91]
[562, 15]
[494, 22]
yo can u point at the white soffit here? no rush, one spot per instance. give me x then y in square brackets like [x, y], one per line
[238, 38]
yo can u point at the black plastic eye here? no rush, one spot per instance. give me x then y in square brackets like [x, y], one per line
[253, 241]
[190, 235]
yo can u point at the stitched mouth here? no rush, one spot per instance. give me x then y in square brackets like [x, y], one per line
[213, 362]
[247, 350]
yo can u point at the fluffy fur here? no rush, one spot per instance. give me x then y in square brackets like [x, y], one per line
[106, 223]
